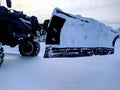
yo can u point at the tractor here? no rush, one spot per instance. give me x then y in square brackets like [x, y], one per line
[16, 28]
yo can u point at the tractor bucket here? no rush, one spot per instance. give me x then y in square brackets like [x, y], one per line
[75, 36]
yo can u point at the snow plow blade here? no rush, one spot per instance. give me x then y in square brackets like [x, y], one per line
[76, 52]
[76, 36]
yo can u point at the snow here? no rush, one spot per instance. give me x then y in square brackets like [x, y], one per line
[81, 73]
[79, 31]
[38, 73]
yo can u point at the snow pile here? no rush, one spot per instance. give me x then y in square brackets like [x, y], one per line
[118, 30]
[79, 31]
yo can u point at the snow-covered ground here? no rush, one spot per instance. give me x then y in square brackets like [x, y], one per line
[81, 73]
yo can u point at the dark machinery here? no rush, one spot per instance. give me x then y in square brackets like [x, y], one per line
[19, 29]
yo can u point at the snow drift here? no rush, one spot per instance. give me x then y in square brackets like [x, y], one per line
[67, 32]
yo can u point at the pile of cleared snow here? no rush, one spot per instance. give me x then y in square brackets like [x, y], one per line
[118, 30]
[79, 31]
[117, 48]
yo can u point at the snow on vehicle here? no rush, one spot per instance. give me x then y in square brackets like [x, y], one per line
[17, 28]
[73, 35]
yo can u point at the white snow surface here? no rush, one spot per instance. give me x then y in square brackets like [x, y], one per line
[79, 31]
[81, 73]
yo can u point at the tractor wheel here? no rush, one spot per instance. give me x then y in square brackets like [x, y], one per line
[1, 56]
[29, 48]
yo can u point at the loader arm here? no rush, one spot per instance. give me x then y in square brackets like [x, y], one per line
[9, 3]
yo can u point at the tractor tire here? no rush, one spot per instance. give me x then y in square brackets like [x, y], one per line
[1, 61]
[1, 56]
[29, 48]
